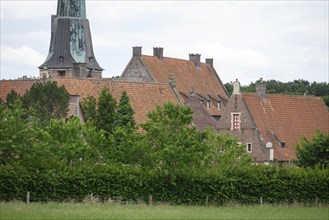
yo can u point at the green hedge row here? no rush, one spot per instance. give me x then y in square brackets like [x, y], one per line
[242, 185]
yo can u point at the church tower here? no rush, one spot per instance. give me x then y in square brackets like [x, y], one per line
[71, 51]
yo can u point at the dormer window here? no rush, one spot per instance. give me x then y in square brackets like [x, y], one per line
[219, 105]
[208, 104]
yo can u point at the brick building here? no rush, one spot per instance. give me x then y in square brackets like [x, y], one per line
[269, 125]
[184, 76]
[153, 94]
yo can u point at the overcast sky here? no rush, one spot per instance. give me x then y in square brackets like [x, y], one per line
[282, 40]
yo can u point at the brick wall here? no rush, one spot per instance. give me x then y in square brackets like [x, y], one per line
[247, 133]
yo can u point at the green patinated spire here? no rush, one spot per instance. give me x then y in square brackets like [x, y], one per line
[71, 51]
[71, 8]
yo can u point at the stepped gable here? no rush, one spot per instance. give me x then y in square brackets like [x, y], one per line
[144, 97]
[285, 119]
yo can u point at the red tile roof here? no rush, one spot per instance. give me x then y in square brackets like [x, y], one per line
[202, 80]
[201, 117]
[144, 97]
[287, 119]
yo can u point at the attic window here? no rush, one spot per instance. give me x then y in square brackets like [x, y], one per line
[235, 121]
[219, 105]
[282, 145]
[208, 104]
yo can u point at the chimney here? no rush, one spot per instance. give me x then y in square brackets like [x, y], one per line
[158, 52]
[195, 58]
[210, 61]
[261, 90]
[137, 51]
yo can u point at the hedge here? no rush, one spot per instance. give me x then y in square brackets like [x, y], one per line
[125, 183]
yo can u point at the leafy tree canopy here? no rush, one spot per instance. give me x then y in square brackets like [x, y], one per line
[295, 87]
[125, 113]
[106, 109]
[46, 101]
[89, 107]
[315, 151]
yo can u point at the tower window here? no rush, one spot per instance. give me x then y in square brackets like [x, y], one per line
[61, 59]
[61, 73]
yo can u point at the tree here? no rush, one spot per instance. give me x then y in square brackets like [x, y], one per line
[46, 101]
[106, 109]
[12, 96]
[15, 134]
[125, 113]
[172, 141]
[89, 107]
[314, 152]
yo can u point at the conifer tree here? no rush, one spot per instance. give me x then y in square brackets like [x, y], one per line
[106, 108]
[89, 107]
[125, 113]
[11, 97]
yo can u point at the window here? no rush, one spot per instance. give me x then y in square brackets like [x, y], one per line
[249, 147]
[236, 121]
[208, 104]
[218, 105]
[61, 59]
[61, 73]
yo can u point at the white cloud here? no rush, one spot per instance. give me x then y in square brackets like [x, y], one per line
[21, 56]
[26, 9]
[247, 39]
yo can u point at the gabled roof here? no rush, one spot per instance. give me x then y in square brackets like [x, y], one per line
[144, 97]
[188, 78]
[201, 117]
[286, 119]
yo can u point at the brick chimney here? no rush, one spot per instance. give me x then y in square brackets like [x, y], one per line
[158, 52]
[261, 90]
[195, 58]
[137, 51]
[210, 61]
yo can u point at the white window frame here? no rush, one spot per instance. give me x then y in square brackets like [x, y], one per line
[247, 147]
[208, 104]
[232, 121]
[219, 105]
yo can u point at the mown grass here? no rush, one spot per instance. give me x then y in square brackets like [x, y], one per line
[16, 210]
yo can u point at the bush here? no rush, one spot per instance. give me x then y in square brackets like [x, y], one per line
[126, 183]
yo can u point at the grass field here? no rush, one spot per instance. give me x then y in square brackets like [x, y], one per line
[15, 210]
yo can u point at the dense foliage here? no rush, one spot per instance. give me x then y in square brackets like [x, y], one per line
[46, 101]
[188, 186]
[165, 157]
[296, 87]
[314, 152]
